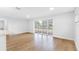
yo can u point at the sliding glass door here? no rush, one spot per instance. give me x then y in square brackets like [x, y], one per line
[44, 34]
[44, 26]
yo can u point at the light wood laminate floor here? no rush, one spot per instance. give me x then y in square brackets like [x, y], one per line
[27, 42]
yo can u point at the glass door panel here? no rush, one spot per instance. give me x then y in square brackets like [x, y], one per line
[43, 34]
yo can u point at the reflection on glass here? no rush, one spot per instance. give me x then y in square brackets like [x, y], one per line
[1, 25]
[44, 26]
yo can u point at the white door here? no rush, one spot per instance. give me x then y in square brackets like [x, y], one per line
[77, 35]
[2, 34]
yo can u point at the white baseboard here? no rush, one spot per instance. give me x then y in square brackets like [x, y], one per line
[19, 33]
[62, 37]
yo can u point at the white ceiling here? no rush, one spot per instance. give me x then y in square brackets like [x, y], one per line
[31, 12]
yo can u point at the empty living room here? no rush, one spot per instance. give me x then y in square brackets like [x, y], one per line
[39, 28]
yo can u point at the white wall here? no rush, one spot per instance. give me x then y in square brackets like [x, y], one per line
[30, 25]
[63, 25]
[17, 26]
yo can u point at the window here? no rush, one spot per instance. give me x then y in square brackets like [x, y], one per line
[44, 25]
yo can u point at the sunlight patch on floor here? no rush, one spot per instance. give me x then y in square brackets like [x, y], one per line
[44, 41]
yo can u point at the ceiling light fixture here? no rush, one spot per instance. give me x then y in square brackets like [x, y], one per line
[51, 8]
